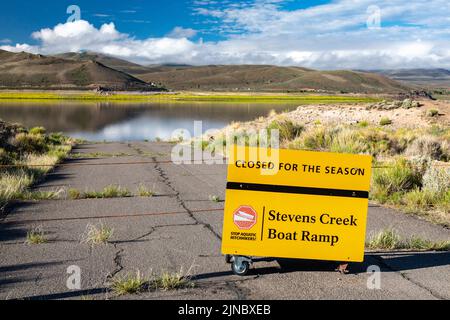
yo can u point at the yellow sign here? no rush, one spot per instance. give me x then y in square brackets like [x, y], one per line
[296, 204]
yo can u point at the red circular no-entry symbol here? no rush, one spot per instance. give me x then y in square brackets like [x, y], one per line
[245, 217]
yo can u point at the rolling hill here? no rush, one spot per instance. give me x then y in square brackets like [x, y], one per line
[87, 70]
[112, 62]
[269, 78]
[26, 70]
[433, 78]
[248, 77]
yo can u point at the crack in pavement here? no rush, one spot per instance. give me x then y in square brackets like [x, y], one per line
[154, 228]
[166, 181]
[241, 294]
[117, 262]
[385, 264]
[232, 285]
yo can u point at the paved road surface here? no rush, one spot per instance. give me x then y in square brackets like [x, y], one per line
[188, 239]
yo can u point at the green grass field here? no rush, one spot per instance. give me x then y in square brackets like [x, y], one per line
[185, 97]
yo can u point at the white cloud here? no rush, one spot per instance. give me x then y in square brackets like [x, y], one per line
[20, 47]
[180, 32]
[101, 15]
[330, 36]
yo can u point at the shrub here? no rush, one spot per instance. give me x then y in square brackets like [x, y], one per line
[400, 177]
[37, 130]
[288, 130]
[348, 141]
[30, 143]
[318, 138]
[437, 179]
[428, 147]
[417, 200]
[56, 138]
[385, 121]
[433, 112]
[363, 124]
[5, 157]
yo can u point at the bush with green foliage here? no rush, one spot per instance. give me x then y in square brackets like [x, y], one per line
[427, 147]
[5, 157]
[437, 179]
[433, 112]
[287, 129]
[401, 176]
[385, 121]
[37, 130]
[30, 143]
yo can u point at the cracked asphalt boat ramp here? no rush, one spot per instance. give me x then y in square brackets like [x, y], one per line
[179, 228]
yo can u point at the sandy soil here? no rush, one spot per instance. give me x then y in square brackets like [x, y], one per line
[401, 118]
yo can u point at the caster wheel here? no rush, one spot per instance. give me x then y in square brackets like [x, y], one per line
[240, 268]
[228, 258]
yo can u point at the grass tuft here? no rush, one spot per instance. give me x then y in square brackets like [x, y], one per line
[172, 281]
[36, 236]
[385, 122]
[128, 284]
[40, 195]
[143, 191]
[433, 112]
[74, 194]
[389, 239]
[136, 283]
[214, 198]
[95, 235]
[111, 191]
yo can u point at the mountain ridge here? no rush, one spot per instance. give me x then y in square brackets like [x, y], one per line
[88, 70]
[26, 70]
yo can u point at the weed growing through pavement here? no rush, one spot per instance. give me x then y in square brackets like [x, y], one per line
[136, 283]
[111, 191]
[389, 239]
[143, 191]
[129, 284]
[96, 235]
[214, 198]
[36, 236]
[172, 281]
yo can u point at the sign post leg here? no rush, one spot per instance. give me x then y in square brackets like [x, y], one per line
[343, 268]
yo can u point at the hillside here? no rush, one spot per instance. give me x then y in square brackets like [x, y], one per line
[269, 78]
[26, 70]
[433, 78]
[90, 70]
[112, 62]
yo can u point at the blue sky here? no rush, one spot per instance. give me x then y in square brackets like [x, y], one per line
[139, 18]
[322, 34]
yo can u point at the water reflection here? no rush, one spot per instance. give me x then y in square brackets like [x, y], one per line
[125, 122]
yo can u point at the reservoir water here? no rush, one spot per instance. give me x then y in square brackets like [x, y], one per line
[131, 121]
